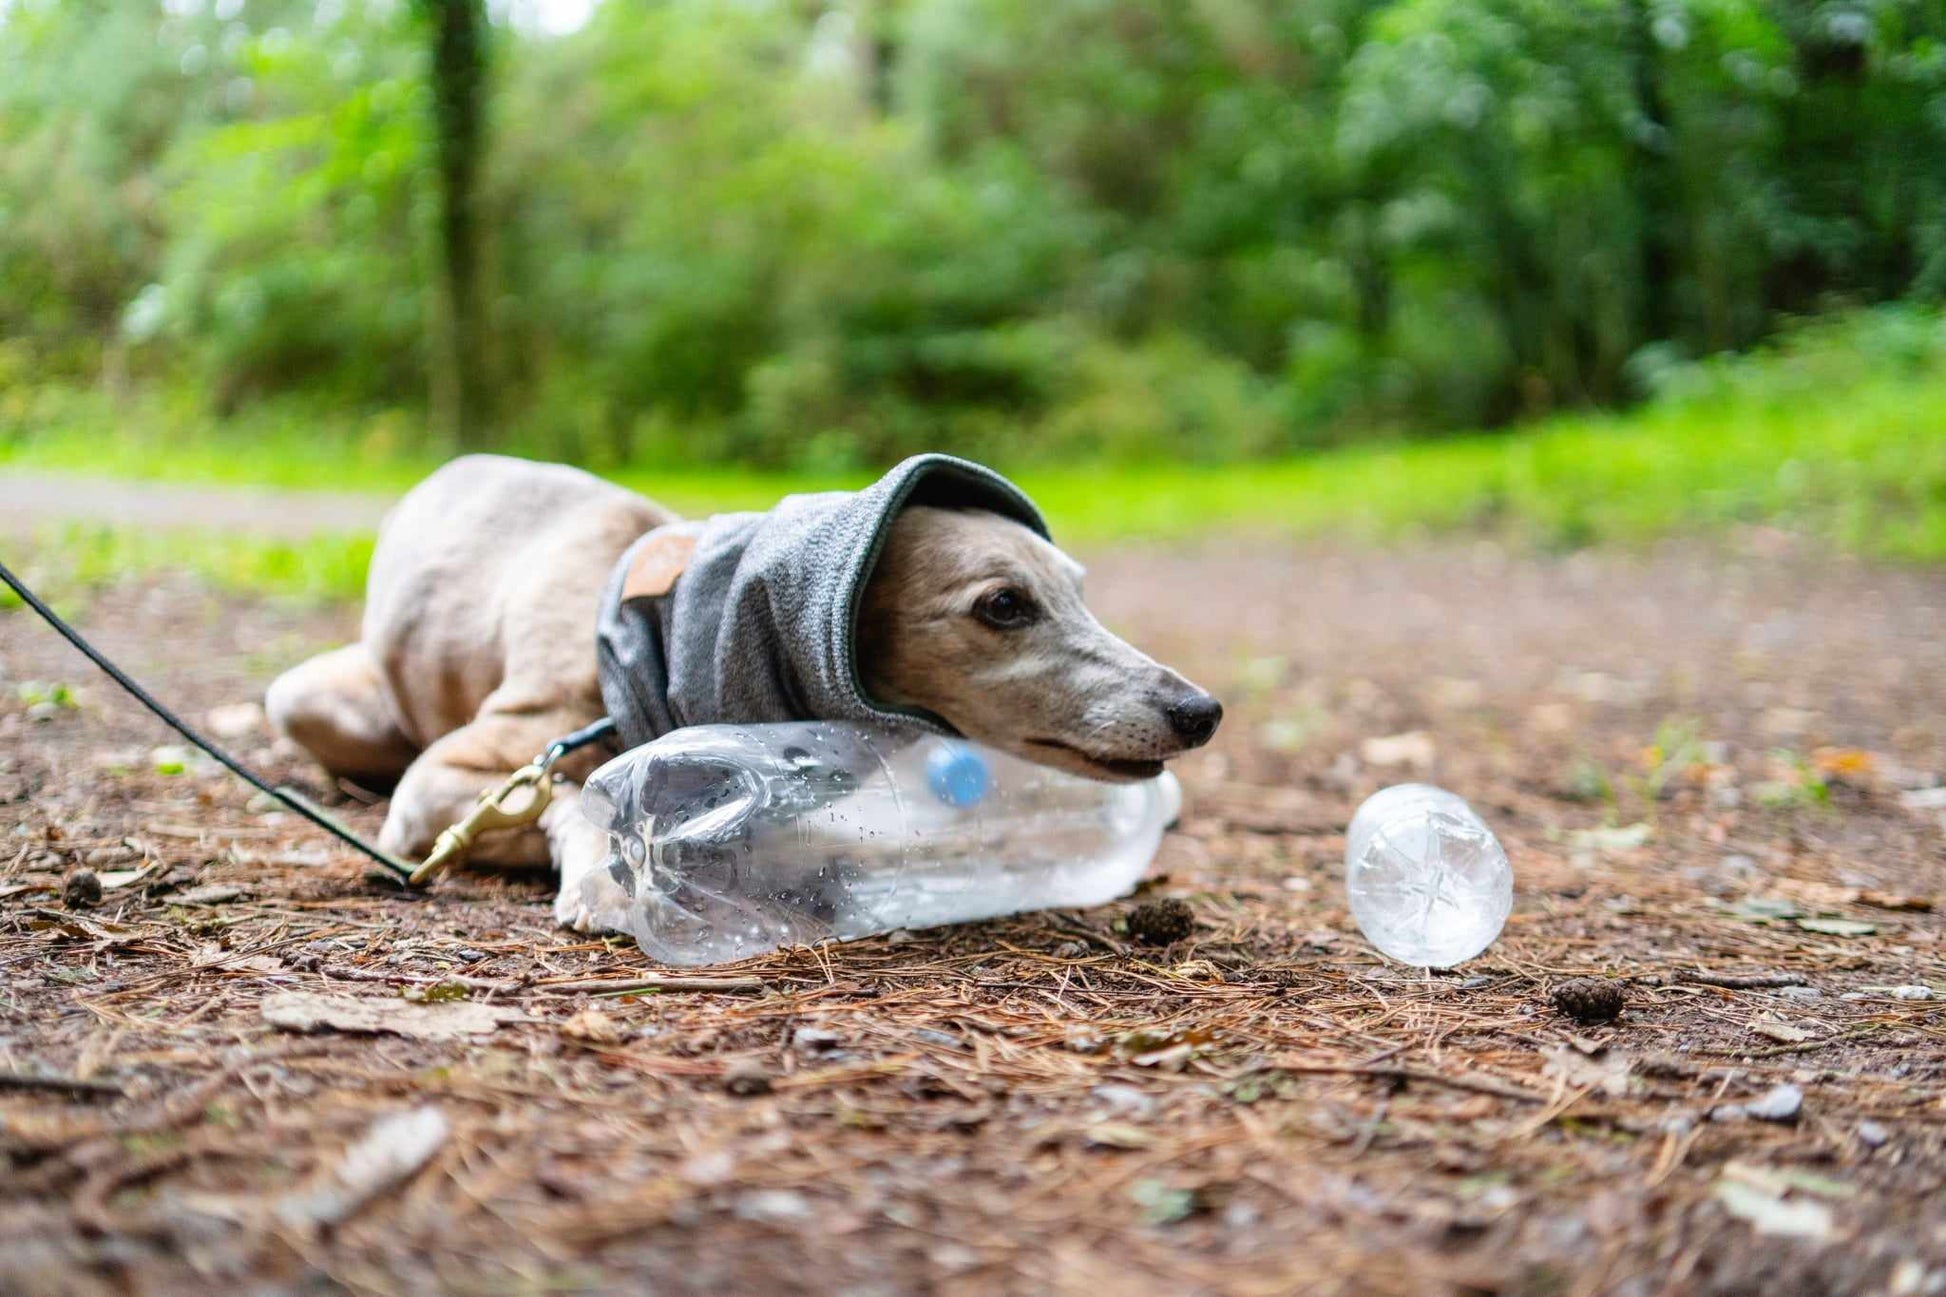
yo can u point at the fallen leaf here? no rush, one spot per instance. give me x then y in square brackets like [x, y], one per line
[1172, 1059]
[1627, 837]
[1838, 927]
[235, 720]
[1115, 1134]
[1605, 1074]
[305, 1012]
[111, 879]
[1778, 1031]
[1779, 1103]
[1768, 1213]
[393, 1150]
[1779, 1180]
[1760, 909]
[1877, 900]
[215, 894]
[593, 1027]
[1414, 748]
[1160, 1204]
[1842, 763]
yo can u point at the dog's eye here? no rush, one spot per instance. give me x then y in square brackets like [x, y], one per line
[1004, 609]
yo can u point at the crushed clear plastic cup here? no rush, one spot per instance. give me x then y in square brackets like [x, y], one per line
[1428, 882]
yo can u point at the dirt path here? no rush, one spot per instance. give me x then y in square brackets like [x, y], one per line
[31, 502]
[1035, 1105]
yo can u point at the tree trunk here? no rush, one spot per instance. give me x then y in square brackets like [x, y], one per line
[461, 376]
[1655, 183]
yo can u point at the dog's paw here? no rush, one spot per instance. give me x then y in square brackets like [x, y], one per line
[573, 912]
[591, 900]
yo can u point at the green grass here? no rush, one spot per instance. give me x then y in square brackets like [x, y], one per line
[1838, 435]
[63, 564]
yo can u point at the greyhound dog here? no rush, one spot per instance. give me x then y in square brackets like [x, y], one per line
[478, 649]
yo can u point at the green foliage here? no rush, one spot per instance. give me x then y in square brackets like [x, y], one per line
[816, 237]
[70, 563]
[1833, 434]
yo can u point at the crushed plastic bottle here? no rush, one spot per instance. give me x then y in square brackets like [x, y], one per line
[732, 840]
[1428, 882]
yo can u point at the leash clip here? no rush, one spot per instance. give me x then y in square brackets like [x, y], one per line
[493, 811]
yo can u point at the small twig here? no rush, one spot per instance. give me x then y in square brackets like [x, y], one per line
[68, 1084]
[595, 986]
[1370, 1131]
[1779, 1051]
[1740, 981]
[407, 979]
[1395, 1072]
[1089, 935]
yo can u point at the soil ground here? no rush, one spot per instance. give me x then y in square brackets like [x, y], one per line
[1707, 767]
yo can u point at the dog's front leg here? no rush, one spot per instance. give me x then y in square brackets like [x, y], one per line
[446, 782]
[590, 899]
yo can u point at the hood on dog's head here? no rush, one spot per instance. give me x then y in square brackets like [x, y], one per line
[752, 617]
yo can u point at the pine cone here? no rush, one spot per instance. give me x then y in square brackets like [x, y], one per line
[1159, 923]
[1589, 1000]
[82, 890]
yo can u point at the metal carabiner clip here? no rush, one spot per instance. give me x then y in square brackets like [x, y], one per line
[494, 810]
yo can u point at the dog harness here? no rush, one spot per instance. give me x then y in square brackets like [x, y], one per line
[752, 617]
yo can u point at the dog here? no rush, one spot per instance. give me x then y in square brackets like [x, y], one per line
[478, 649]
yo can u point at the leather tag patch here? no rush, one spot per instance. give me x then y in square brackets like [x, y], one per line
[657, 565]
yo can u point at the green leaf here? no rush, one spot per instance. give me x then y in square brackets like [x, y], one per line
[1160, 1204]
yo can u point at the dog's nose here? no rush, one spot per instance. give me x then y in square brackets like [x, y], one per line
[1195, 718]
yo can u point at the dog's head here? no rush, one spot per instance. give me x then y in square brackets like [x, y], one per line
[977, 619]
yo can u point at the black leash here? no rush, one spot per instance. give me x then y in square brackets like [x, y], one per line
[290, 797]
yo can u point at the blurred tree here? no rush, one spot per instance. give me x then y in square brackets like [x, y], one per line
[463, 370]
[828, 232]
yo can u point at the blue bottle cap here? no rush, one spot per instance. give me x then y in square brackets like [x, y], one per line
[957, 774]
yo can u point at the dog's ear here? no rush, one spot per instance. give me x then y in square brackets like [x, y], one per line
[657, 564]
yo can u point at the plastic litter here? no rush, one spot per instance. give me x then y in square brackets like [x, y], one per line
[732, 840]
[1428, 882]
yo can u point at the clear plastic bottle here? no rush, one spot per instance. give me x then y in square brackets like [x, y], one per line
[1428, 882]
[732, 840]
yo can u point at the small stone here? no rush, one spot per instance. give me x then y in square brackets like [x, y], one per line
[813, 1040]
[1781, 1103]
[1799, 992]
[1124, 1100]
[1159, 923]
[746, 1079]
[1872, 1135]
[82, 890]
[707, 1170]
[1590, 1000]
[235, 720]
[772, 1206]
[593, 1027]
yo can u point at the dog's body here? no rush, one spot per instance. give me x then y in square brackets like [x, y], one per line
[478, 650]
